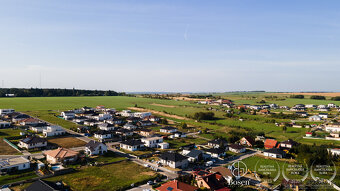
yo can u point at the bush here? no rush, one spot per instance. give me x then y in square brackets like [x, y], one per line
[204, 115]
[337, 98]
[297, 96]
[318, 97]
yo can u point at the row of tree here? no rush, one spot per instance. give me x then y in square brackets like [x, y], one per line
[38, 92]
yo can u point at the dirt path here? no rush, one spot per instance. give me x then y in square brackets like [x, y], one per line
[161, 105]
[158, 113]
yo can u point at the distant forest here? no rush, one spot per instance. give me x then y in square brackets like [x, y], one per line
[38, 92]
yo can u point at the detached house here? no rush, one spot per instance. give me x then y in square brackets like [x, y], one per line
[237, 148]
[216, 143]
[168, 129]
[288, 144]
[54, 130]
[132, 145]
[17, 163]
[247, 141]
[270, 143]
[212, 181]
[95, 148]
[215, 152]
[29, 121]
[106, 127]
[68, 115]
[174, 160]
[4, 124]
[61, 155]
[32, 142]
[102, 135]
[152, 142]
[274, 152]
[176, 185]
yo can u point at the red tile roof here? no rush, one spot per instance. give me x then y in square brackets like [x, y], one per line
[270, 143]
[176, 186]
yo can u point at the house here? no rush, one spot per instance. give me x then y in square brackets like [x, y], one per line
[61, 155]
[168, 129]
[323, 115]
[334, 127]
[38, 129]
[130, 126]
[194, 155]
[225, 172]
[302, 114]
[20, 117]
[288, 144]
[178, 134]
[260, 138]
[145, 123]
[274, 153]
[237, 148]
[315, 118]
[310, 106]
[133, 119]
[114, 121]
[176, 185]
[270, 143]
[174, 160]
[335, 151]
[132, 145]
[29, 121]
[264, 111]
[54, 130]
[44, 185]
[124, 132]
[309, 134]
[145, 132]
[102, 117]
[32, 142]
[106, 127]
[216, 143]
[95, 148]
[211, 181]
[79, 120]
[17, 163]
[247, 141]
[142, 115]
[153, 118]
[126, 113]
[215, 152]
[324, 109]
[102, 135]
[331, 105]
[100, 108]
[83, 129]
[4, 124]
[164, 145]
[6, 111]
[68, 115]
[152, 142]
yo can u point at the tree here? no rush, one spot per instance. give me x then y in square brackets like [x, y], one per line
[184, 125]
[284, 129]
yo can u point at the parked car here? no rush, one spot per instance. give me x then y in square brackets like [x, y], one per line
[150, 182]
[209, 163]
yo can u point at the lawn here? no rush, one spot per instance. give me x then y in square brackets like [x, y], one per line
[67, 142]
[109, 157]
[7, 179]
[5, 149]
[118, 176]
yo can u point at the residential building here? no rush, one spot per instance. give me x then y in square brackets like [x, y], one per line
[274, 153]
[106, 127]
[54, 130]
[152, 142]
[68, 115]
[176, 185]
[225, 172]
[142, 114]
[132, 145]
[335, 151]
[237, 148]
[211, 181]
[288, 144]
[61, 155]
[247, 141]
[6, 111]
[215, 152]
[95, 148]
[5, 124]
[302, 114]
[315, 118]
[216, 143]
[17, 163]
[194, 155]
[44, 185]
[174, 160]
[130, 126]
[334, 127]
[145, 132]
[323, 115]
[29, 121]
[168, 129]
[102, 135]
[270, 143]
[32, 142]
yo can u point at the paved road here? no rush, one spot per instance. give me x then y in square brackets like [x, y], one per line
[141, 188]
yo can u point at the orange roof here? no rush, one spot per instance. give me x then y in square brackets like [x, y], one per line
[176, 186]
[270, 143]
[30, 120]
[61, 153]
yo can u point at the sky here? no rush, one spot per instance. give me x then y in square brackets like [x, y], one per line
[171, 45]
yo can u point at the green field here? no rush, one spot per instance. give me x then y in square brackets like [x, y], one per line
[6, 179]
[117, 176]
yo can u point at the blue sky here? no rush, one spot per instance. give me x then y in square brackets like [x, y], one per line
[172, 45]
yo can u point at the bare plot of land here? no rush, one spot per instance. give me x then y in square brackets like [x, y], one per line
[5, 149]
[161, 105]
[67, 142]
[329, 94]
[158, 113]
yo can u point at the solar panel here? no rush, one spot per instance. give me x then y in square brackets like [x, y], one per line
[4, 163]
[169, 189]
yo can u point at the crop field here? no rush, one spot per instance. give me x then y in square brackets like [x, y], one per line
[113, 177]
[67, 142]
[46, 108]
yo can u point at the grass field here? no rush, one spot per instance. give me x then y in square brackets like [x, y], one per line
[109, 177]
[67, 142]
[16, 177]
[5, 149]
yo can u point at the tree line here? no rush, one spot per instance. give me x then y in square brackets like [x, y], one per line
[39, 92]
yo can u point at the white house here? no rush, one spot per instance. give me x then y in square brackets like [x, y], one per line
[333, 128]
[126, 113]
[102, 135]
[6, 111]
[132, 145]
[237, 148]
[274, 153]
[54, 130]
[106, 127]
[95, 148]
[142, 114]
[174, 160]
[310, 106]
[164, 145]
[168, 129]
[5, 124]
[315, 118]
[331, 105]
[335, 151]
[19, 163]
[152, 142]
[68, 115]
[323, 115]
[102, 117]
[130, 126]
[32, 142]
[61, 155]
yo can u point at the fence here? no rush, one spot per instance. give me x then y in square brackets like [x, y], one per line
[11, 144]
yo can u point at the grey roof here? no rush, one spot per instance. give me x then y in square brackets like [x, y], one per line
[133, 142]
[43, 185]
[168, 128]
[92, 145]
[275, 151]
[194, 153]
[172, 157]
[33, 139]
